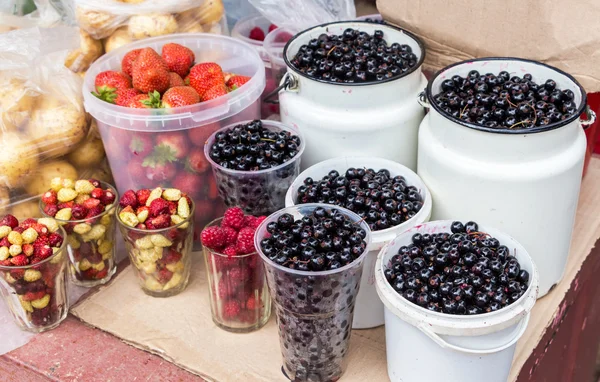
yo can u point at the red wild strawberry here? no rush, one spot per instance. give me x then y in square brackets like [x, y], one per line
[124, 96]
[257, 34]
[141, 144]
[79, 211]
[175, 141]
[175, 80]
[172, 208]
[66, 205]
[49, 197]
[236, 82]
[150, 72]
[41, 240]
[141, 226]
[55, 240]
[245, 241]
[50, 209]
[149, 225]
[10, 221]
[179, 59]
[128, 199]
[142, 208]
[6, 263]
[107, 83]
[17, 274]
[93, 212]
[89, 274]
[42, 251]
[91, 203]
[216, 91]
[231, 309]
[128, 59]
[102, 274]
[30, 296]
[171, 256]
[164, 275]
[159, 206]
[41, 229]
[272, 27]
[19, 229]
[188, 182]
[233, 217]
[142, 196]
[108, 198]
[27, 249]
[230, 235]
[180, 96]
[4, 242]
[97, 193]
[27, 223]
[145, 101]
[205, 76]
[160, 221]
[94, 182]
[20, 260]
[213, 237]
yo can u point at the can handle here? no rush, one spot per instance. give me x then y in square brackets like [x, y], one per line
[289, 82]
[591, 117]
[445, 344]
[422, 100]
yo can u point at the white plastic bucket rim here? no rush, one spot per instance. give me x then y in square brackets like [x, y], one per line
[434, 324]
[341, 164]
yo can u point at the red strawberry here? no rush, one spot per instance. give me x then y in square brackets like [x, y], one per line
[50, 209]
[180, 96]
[91, 203]
[137, 172]
[230, 235]
[108, 198]
[213, 237]
[179, 59]
[245, 241]
[199, 135]
[159, 206]
[175, 80]
[231, 309]
[171, 257]
[128, 199]
[124, 96]
[79, 211]
[188, 182]
[257, 34]
[149, 72]
[30, 296]
[272, 27]
[141, 144]
[160, 172]
[20, 260]
[160, 222]
[176, 141]
[55, 240]
[233, 217]
[215, 92]
[164, 275]
[196, 161]
[10, 221]
[142, 196]
[145, 101]
[108, 82]
[49, 197]
[128, 59]
[236, 82]
[97, 193]
[205, 76]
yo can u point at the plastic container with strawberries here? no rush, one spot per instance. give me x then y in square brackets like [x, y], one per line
[149, 147]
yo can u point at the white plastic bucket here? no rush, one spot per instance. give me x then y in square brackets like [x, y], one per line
[338, 119]
[430, 346]
[368, 312]
[524, 182]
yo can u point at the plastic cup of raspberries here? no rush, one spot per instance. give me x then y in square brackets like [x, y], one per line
[86, 210]
[313, 256]
[254, 164]
[32, 272]
[239, 297]
[158, 229]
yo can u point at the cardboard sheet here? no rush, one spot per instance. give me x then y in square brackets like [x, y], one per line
[561, 33]
[180, 328]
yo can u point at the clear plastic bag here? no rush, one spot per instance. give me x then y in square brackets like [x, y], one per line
[299, 15]
[42, 120]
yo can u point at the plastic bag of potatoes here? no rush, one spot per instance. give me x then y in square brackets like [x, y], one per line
[120, 22]
[44, 130]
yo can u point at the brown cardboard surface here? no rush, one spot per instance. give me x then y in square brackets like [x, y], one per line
[562, 33]
[180, 328]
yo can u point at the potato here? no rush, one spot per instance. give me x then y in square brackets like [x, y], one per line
[18, 161]
[116, 40]
[26, 209]
[132, 1]
[40, 182]
[97, 24]
[57, 127]
[210, 12]
[89, 50]
[89, 153]
[151, 25]
[16, 103]
[101, 173]
[4, 200]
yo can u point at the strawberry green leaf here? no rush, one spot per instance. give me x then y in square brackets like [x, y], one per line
[160, 155]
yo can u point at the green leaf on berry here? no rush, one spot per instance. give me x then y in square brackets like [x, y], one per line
[106, 94]
[154, 102]
[160, 155]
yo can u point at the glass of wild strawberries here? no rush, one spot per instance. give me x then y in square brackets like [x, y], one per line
[33, 272]
[86, 210]
[158, 228]
[239, 297]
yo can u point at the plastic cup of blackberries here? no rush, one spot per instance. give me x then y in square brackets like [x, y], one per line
[313, 256]
[254, 163]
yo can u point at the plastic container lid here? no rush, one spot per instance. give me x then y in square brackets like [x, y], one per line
[233, 55]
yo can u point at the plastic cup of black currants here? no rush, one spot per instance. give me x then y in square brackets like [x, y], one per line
[313, 256]
[458, 271]
[254, 163]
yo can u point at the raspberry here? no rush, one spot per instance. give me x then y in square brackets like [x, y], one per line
[231, 251]
[251, 304]
[55, 240]
[50, 209]
[257, 34]
[159, 206]
[245, 241]
[49, 197]
[129, 199]
[230, 235]
[231, 309]
[78, 211]
[10, 221]
[240, 275]
[234, 218]
[223, 289]
[253, 221]
[258, 221]
[97, 193]
[160, 221]
[213, 237]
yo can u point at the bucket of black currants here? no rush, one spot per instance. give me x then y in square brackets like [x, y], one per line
[388, 196]
[459, 292]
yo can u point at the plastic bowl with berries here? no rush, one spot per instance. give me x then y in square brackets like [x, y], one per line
[33, 279]
[269, 155]
[158, 229]
[414, 208]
